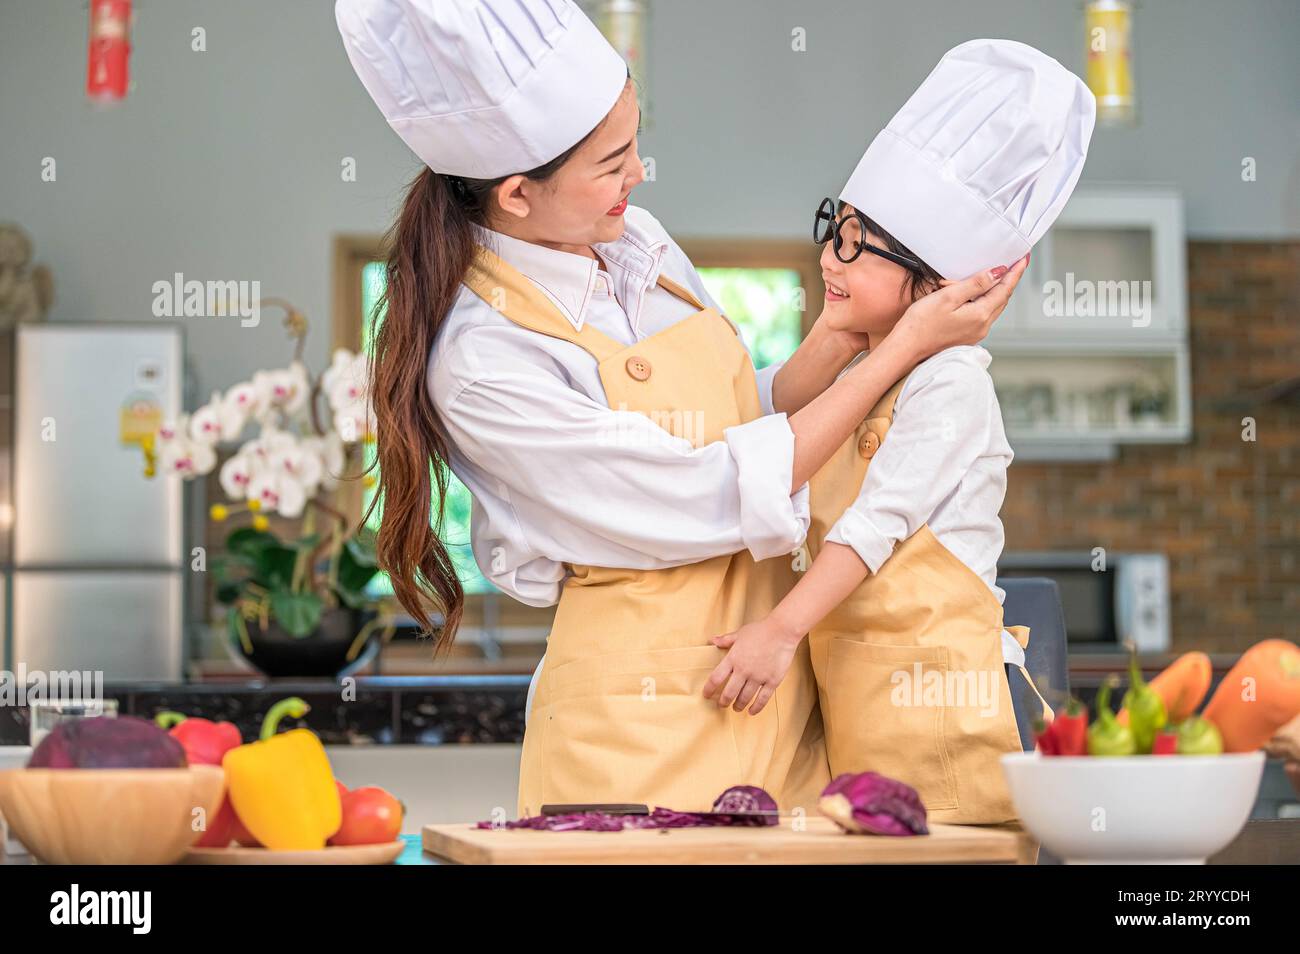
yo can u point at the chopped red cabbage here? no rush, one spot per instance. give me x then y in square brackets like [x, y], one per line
[732, 808]
[745, 798]
[870, 803]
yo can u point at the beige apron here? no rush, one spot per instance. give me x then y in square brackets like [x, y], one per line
[619, 713]
[910, 667]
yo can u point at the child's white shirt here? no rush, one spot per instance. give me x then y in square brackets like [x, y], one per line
[943, 463]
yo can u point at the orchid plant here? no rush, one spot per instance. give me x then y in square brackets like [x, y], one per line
[291, 466]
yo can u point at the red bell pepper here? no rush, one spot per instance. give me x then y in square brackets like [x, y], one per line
[205, 742]
[1070, 729]
[1166, 741]
[1045, 738]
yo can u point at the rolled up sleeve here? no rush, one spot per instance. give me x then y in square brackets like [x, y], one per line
[772, 521]
[567, 479]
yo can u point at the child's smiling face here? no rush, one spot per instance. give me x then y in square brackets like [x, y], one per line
[868, 294]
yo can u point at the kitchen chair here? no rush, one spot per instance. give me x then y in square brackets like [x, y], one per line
[1036, 602]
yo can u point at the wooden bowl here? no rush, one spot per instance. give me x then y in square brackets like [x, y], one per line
[109, 816]
[381, 854]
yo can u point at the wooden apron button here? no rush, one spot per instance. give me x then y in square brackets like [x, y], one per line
[868, 444]
[638, 368]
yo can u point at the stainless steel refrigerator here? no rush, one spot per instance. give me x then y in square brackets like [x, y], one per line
[93, 551]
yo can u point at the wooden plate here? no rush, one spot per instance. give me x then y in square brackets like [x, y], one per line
[382, 854]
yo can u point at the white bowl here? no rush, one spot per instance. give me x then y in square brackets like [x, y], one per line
[1137, 809]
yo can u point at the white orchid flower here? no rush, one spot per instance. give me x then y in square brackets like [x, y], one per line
[169, 431]
[278, 493]
[298, 463]
[182, 457]
[238, 472]
[355, 422]
[345, 381]
[266, 444]
[286, 389]
[207, 425]
[243, 401]
[329, 450]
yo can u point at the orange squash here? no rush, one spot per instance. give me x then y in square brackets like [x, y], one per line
[1259, 694]
[1182, 685]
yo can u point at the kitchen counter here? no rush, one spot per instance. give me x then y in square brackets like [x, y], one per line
[417, 710]
[1274, 842]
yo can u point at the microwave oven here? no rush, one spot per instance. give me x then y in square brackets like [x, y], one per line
[1107, 603]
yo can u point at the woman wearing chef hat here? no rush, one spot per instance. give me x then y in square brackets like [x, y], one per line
[555, 348]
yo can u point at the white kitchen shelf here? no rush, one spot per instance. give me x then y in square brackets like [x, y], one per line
[1125, 246]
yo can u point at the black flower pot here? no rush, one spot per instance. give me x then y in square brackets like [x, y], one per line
[321, 654]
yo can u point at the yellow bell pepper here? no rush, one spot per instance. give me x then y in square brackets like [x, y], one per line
[282, 787]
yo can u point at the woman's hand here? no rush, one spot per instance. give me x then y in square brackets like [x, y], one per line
[760, 656]
[959, 313]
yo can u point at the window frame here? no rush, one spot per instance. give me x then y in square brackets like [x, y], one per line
[803, 257]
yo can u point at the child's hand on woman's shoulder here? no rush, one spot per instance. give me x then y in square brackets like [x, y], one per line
[760, 655]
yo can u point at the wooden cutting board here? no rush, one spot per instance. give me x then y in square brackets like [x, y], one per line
[822, 842]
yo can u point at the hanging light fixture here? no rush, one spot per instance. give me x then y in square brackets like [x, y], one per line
[625, 23]
[1108, 26]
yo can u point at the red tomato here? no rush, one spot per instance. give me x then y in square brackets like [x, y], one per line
[370, 816]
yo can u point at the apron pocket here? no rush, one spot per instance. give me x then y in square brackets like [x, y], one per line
[635, 727]
[878, 717]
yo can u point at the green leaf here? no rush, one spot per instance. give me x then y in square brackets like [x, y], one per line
[249, 542]
[298, 613]
[227, 593]
[275, 567]
[357, 567]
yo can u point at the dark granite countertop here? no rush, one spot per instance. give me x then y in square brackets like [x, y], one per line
[413, 710]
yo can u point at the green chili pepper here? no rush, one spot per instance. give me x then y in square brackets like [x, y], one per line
[1146, 710]
[1106, 736]
[1197, 735]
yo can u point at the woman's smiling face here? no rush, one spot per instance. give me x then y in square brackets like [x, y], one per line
[583, 202]
[868, 294]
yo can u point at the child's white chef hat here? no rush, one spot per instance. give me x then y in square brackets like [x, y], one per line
[976, 166]
[483, 88]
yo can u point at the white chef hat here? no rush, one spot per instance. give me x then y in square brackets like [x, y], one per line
[483, 88]
[978, 163]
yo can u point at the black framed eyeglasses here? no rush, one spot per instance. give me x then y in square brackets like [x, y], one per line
[850, 236]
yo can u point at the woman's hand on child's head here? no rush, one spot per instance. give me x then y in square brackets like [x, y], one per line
[960, 313]
[759, 657]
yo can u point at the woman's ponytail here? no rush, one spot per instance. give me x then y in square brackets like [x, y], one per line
[430, 249]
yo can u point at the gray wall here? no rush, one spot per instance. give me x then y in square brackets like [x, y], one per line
[225, 164]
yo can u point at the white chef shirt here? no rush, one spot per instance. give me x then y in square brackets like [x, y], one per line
[557, 475]
[944, 462]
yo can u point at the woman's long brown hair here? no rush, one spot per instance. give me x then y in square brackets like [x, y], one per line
[430, 248]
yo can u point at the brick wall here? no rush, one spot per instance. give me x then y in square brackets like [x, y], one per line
[1225, 511]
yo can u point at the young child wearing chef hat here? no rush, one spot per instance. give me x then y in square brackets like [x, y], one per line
[900, 605]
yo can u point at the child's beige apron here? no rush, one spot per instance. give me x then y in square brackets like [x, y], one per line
[619, 713]
[909, 667]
